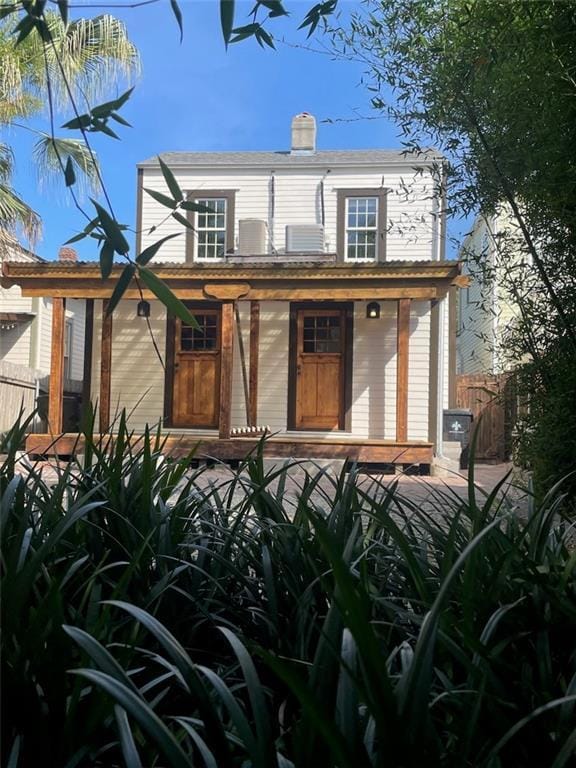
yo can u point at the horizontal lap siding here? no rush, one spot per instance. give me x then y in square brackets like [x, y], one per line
[252, 200]
[374, 373]
[273, 364]
[419, 370]
[137, 374]
[15, 343]
[297, 200]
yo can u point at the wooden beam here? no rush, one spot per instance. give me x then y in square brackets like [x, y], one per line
[254, 351]
[56, 388]
[367, 451]
[88, 345]
[105, 368]
[226, 363]
[403, 338]
[329, 291]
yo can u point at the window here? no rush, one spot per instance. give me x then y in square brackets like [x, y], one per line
[211, 229]
[213, 234]
[68, 350]
[321, 334]
[362, 224]
[204, 338]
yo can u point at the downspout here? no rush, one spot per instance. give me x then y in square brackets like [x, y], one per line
[271, 210]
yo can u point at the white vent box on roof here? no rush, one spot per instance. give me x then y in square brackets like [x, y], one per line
[304, 238]
[251, 237]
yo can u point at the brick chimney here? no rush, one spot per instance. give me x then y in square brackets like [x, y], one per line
[67, 254]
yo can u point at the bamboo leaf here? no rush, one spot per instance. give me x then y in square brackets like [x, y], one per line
[120, 288]
[182, 220]
[165, 295]
[106, 260]
[178, 14]
[170, 180]
[164, 200]
[69, 175]
[227, 19]
[112, 230]
[149, 253]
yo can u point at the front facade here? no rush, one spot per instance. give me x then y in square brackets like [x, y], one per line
[322, 298]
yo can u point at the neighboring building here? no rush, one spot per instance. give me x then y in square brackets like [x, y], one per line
[485, 309]
[321, 290]
[25, 334]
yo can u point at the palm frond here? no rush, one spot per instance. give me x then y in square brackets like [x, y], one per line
[17, 216]
[51, 154]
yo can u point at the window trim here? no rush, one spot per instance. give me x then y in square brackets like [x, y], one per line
[199, 194]
[381, 194]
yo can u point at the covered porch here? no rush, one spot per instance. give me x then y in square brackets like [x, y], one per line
[232, 291]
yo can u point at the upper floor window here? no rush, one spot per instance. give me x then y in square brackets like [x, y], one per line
[361, 228]
[213, 234]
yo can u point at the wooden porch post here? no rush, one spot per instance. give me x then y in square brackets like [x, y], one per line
[226, 361]
[56, 388]
[88, 347]
[254, 342]
[403, 337]
[105, 368]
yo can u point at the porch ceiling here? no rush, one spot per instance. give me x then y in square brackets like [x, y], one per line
[279, 281]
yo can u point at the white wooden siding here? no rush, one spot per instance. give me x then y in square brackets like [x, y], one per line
[137, 380]
[76, 313]
[15, 343]
[273, 364]
[410, 221]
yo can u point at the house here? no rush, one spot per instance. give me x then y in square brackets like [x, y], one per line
[492, 257]
[25, 333]
[325, 305]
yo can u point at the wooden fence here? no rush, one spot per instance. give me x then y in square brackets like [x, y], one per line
[17, 390]
[492, 400]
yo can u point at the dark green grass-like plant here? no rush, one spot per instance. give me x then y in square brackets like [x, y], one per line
[156, 615]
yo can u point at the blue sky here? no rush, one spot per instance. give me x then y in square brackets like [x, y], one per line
[199, 96]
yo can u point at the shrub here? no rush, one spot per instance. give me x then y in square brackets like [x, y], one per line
[156, 616]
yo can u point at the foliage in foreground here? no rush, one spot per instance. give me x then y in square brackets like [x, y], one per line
[156, 615]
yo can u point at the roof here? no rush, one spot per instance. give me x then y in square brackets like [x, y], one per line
[424, 280]
[10, 249]
[286, 159]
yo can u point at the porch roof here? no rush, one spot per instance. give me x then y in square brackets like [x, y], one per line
[266, 281]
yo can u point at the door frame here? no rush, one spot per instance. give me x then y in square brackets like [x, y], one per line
[347, 308]
[170, 356]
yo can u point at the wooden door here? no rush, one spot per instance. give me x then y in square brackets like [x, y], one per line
[196, 393]
[320, 369]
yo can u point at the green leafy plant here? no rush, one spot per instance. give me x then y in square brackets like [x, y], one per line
[278, 617]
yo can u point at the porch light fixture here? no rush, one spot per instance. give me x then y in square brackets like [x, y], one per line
[373, 310]
[143, 309]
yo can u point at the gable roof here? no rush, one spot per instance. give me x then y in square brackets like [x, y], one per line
[322, 158]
